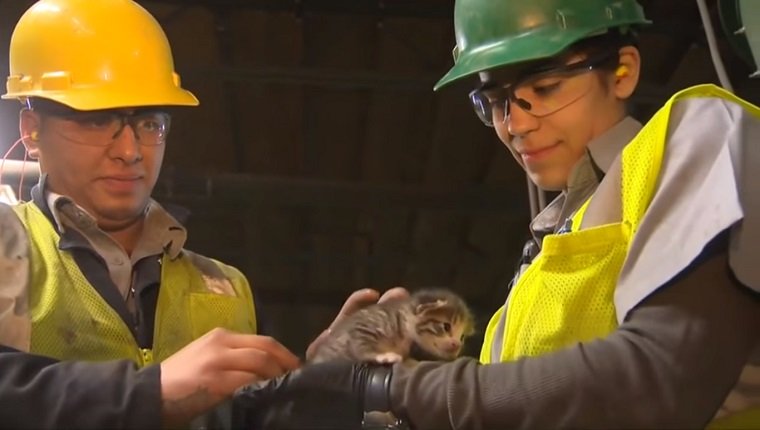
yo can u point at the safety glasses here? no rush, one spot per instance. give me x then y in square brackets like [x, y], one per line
[100, 128]
[540, 93]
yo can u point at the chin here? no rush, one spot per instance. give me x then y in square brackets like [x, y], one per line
[122, 213]
[548, 182]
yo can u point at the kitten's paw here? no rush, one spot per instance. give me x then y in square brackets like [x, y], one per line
[388, 358]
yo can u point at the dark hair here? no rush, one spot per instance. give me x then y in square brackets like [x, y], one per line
[611, 41]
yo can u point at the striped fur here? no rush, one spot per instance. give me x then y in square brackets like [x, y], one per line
[431, 324]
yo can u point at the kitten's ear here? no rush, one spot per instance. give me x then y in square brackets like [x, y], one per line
[430, 306]
[470, 330]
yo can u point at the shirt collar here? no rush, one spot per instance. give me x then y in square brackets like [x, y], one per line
[586, 175]
[605, 148]
[161, 230]
[55, 202]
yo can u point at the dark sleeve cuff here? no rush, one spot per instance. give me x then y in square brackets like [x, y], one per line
[40, 392]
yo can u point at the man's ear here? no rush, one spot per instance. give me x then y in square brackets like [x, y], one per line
[627, 74]
[29, 127]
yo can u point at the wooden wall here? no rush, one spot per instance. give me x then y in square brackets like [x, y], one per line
[320, 160]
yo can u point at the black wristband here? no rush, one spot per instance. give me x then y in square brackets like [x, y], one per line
[377, 408]
[377, 390]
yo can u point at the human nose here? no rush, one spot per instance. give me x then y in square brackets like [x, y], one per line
[125, 145]
[519, 122]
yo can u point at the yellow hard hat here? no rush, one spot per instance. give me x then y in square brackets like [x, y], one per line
[92, 55]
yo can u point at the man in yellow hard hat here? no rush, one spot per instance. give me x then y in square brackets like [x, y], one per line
[106, 320]
[637, 304]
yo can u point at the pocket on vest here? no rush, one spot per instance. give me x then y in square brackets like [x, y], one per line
[209, 311]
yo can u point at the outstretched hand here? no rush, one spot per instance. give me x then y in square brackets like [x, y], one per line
[357, 300]
[208, 370]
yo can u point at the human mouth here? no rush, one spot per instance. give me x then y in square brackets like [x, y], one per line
[122, 183]
[538, 153]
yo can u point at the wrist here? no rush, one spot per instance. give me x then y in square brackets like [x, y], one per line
[182, 400]
[180, 411]
[377, 413]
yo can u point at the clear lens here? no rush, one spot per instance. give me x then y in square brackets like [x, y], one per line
[482, 107]
[101, 128]
[544, 95]
[539, 94]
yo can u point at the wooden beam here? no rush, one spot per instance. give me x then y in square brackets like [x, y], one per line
[316, 76]
[408, 8]
[223, 191]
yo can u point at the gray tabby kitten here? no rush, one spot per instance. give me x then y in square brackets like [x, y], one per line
[432, 324]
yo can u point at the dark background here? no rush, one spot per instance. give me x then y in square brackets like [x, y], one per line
[320, 160]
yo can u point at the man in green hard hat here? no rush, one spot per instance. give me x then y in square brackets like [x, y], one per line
[636, 303]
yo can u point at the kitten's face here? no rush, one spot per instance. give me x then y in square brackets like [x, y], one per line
[443, 339]
[441, 328]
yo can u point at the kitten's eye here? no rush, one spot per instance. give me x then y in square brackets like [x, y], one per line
[447, 327]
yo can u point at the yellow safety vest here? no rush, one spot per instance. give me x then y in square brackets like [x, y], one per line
[566, 295]
[71, 321]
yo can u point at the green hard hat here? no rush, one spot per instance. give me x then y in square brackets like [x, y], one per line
[494, 33]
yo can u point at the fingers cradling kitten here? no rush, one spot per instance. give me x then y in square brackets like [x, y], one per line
[431, 324]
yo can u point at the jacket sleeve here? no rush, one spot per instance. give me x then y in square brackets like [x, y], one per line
[670, 364]
[39, 392]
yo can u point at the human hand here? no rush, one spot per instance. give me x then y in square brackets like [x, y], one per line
[357, 300]
[336, 395]
[210, 369]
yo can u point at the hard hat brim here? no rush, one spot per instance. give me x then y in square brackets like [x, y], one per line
[85, 100]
